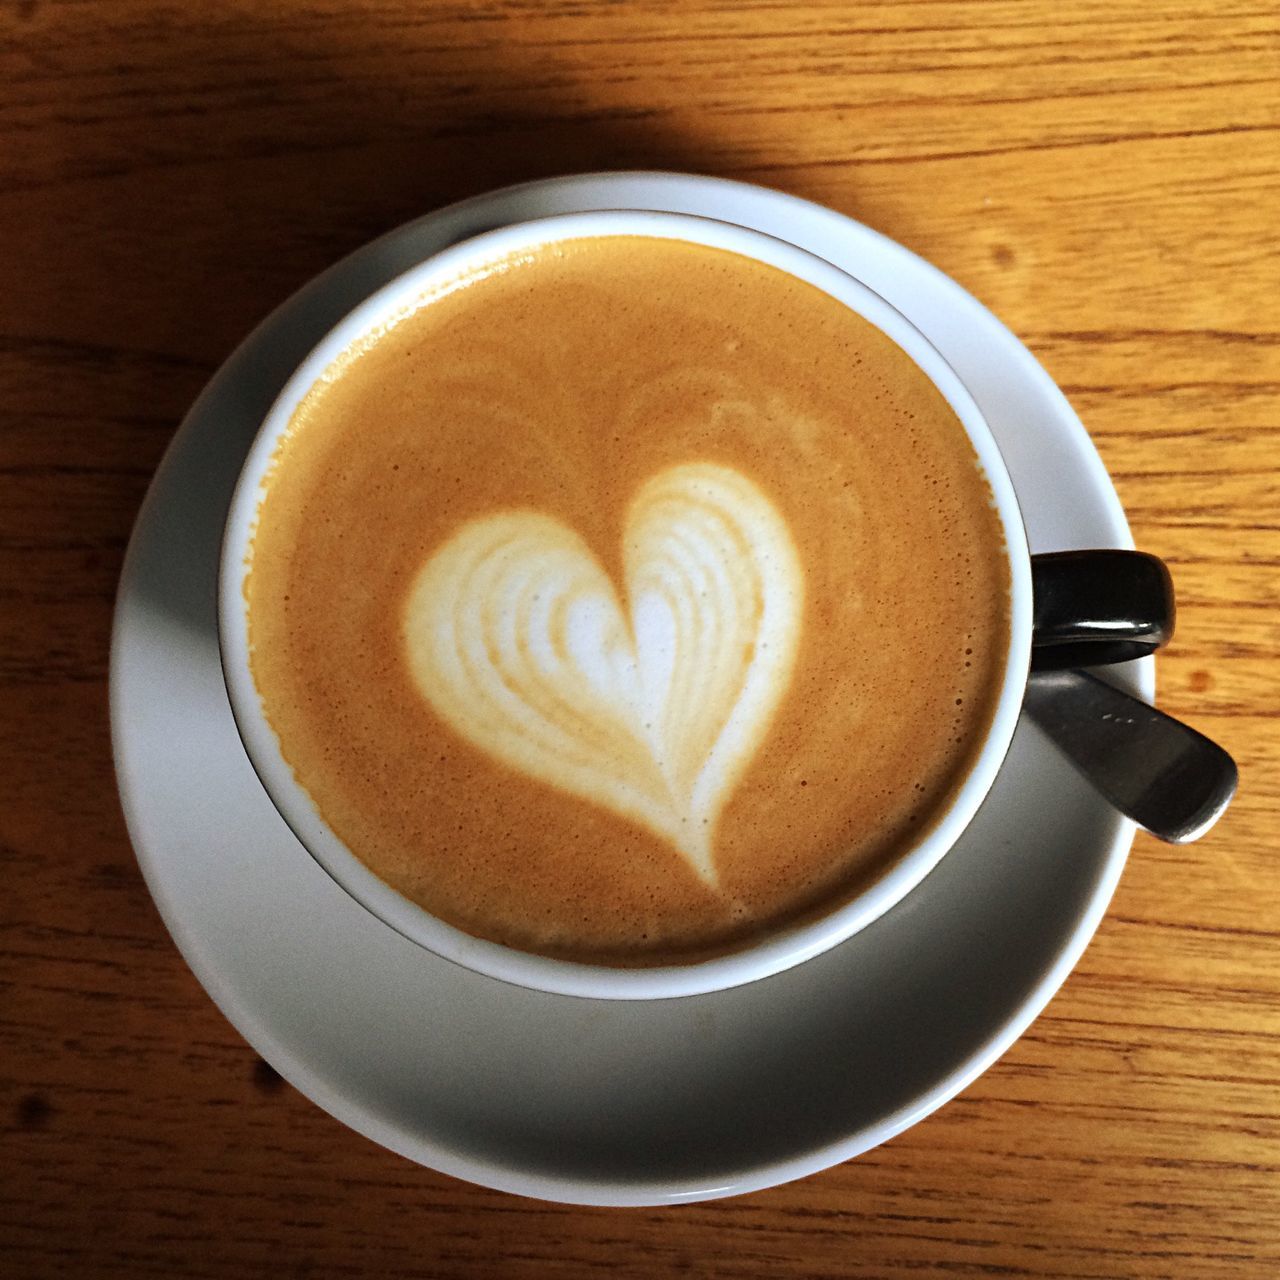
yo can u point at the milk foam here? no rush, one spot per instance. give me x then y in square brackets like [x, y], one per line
[649, 700]
[477, 619]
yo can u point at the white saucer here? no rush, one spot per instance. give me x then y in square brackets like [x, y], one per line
[551, 1096]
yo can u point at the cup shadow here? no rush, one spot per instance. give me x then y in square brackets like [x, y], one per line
[249, 160]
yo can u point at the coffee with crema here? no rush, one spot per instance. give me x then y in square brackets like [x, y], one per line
[626, 600]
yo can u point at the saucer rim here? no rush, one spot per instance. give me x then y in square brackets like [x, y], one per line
[256, 1030]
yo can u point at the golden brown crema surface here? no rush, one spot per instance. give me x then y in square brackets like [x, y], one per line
[628, 601]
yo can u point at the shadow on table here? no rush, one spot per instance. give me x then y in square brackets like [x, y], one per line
[236, 162]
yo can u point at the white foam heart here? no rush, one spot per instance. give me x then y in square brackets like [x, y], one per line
[651, 702]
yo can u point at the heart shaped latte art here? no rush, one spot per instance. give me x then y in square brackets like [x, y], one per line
[651, 701]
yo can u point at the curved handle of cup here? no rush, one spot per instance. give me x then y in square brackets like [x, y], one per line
[1092, 608]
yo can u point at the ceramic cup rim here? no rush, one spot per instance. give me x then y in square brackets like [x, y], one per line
[777, 951]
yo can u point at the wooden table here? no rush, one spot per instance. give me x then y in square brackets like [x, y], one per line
[1105, 176]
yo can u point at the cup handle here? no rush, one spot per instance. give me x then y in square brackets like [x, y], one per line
[1092, 608]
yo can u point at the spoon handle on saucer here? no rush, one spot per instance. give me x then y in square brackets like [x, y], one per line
[1161, 773]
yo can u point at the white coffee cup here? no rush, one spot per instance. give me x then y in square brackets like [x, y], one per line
[755, 960]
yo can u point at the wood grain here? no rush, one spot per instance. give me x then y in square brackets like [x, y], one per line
[1104, 175]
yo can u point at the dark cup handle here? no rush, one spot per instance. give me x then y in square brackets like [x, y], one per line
[1092, 608]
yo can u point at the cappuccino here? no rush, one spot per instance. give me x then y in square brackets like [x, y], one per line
[626, 600]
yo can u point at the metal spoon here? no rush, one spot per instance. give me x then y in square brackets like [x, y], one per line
[1168, 778]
